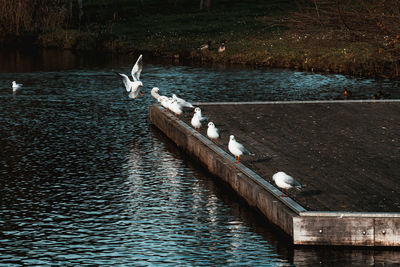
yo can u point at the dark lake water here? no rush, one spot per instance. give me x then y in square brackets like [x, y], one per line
[86, 180]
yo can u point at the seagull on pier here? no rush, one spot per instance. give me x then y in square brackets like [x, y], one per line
[175, 107]
[164, 101]
[133, 86]
[154, 92]
[285, 181]
[182, 102]
[16, 86]
[237, 149]
[212, 131]
[197, 118]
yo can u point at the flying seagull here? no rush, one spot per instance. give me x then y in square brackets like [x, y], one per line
[133, 86]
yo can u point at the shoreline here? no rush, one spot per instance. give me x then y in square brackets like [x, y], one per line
[371, 68]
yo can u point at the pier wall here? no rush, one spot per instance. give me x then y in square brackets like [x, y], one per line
[304, 226]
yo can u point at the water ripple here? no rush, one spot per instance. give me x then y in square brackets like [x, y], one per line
[86, 181]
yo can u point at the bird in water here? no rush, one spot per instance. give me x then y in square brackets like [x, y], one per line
[346, 93]
[237, 149]
[133, 86]
[285, 181]
[16, 86]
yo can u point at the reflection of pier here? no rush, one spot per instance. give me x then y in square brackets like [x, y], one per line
[346, 154]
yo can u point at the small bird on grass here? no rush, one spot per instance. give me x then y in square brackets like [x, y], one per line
[222, 47]
[285, 181]
[206, 46]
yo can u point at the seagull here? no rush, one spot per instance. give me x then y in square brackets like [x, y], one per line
[164, 101]
[182, 102]
[197, 118]
[285, 181]
[154, 92]
[196, 123]
[212, 131]
[133, 86]
[237, 149]
[175, 107]
[197, 112]
[16, 86]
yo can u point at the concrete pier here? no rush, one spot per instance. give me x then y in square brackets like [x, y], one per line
[345, 154]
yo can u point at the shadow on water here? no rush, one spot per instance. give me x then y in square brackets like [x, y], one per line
[85, 179]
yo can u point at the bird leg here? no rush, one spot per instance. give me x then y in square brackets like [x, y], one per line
[140, 93]
[282, 195]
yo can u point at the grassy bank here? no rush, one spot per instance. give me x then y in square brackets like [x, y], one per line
[255, 31]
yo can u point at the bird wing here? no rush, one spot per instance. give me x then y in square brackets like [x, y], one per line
[126, 81]
[202, 119]
[290, 180]
[243, 149]
[137, 69]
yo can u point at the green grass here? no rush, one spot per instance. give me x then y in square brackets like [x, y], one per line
[250, 27]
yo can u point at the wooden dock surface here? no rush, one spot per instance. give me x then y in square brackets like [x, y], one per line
[347, 155]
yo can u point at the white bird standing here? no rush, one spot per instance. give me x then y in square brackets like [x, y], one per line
[197, 118]
[237, 149]
[164, 101]
[182, 102]
[154, 92]
[196, 123]
[197, 112]
[175, 108]
[285, 181]
[16, 86]
[133, 86]
[212, 131]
